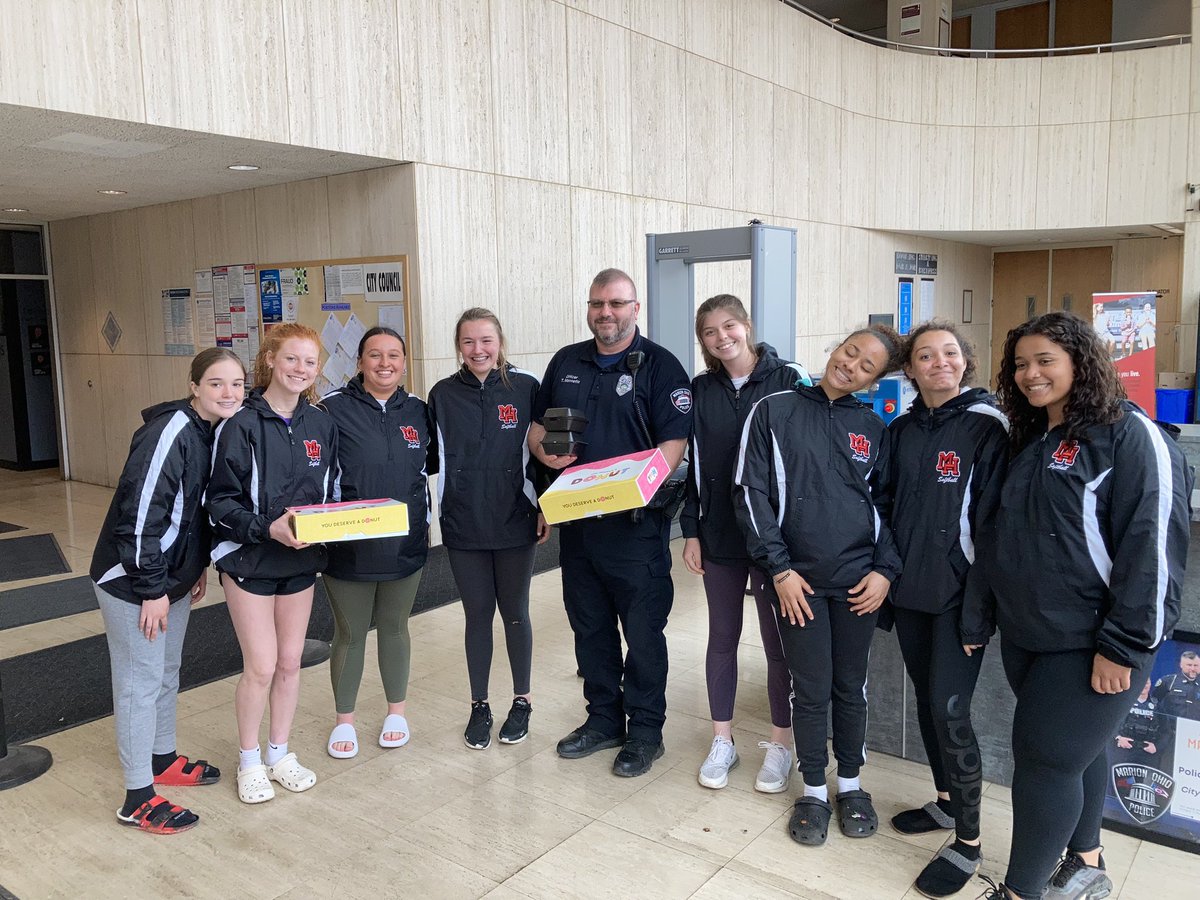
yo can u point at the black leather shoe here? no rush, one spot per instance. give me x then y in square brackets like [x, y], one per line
[585, 741]
[636, 758]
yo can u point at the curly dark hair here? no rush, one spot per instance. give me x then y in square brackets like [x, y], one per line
[967, 348]
[1096, 391]
[892, 343]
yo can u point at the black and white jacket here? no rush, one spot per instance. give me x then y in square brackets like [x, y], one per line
[1087, 546]
[383, 452]
[947, 467]
[719, 412]
[811, 476]
[155, 538]
[486, 497]
[261, 466]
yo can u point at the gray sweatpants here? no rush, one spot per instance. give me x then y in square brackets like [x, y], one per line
[145, 683]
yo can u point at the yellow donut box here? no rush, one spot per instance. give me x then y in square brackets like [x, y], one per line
[352, 520]
[608, 486]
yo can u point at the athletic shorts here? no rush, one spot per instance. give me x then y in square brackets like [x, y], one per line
[272, 587]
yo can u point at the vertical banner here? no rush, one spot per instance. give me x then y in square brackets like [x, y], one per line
[904, 300]
[1154, 761]
[1125, 324]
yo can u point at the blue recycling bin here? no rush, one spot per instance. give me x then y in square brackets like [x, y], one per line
[1174, 405]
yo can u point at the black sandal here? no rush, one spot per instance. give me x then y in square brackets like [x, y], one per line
[809, 823]
[856, 815]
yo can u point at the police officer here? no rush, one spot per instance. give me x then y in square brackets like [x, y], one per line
[636, 395]
[1178, 694]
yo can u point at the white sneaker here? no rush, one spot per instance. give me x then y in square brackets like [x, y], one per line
[714, 771]
[776, 768]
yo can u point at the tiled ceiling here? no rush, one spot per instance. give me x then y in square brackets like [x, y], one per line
[54, 163]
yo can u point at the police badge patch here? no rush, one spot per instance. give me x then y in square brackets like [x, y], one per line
[624, 385]
[1144, 792]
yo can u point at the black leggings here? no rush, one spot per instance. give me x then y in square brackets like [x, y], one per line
[828, 659]
[943, 678]
[487, 579]
[1061, 730]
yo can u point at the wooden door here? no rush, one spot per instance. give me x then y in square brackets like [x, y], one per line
[1020, 290]
[1076, 274]
[1023, 27]
[1079, 23]
[960, 33]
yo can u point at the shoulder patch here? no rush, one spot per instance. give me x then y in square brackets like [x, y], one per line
[681, 398]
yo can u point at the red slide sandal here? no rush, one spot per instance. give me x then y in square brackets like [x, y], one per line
[185, 773]
[158, 815]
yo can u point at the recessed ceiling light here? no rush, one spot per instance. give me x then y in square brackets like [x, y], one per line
[243, 167]
[14, 209]
[111, 193]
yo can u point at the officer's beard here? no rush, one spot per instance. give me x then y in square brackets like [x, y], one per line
[617, 337]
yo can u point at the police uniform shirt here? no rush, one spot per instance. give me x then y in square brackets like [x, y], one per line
[1176, 696]
[605, 395]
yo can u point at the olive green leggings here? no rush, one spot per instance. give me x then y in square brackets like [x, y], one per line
[354, 603]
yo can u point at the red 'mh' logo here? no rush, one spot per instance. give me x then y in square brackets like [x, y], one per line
[1066, 453]
[313, 450]
[508, 413]
[947, 464]
[860, 447]
[410, 434]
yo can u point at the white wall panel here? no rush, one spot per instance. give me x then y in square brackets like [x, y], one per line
[663, 20]
[1008, 91]
[215, 66]
[529, 89]
[947, 166]
[709, 135]
[445, 75]
[708, 30]
[598, 84]
[1147, 171]
[1005, 184]
[1075, 89]
[753, 117]
[659, 114]
[753, 38]
[1072, 175]
[343, 75]
[790, 147]
[1151, 82]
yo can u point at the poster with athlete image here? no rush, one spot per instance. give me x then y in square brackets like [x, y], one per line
[1126, 324]
[1154, 762]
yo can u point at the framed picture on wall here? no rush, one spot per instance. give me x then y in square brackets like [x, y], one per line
[968, 306]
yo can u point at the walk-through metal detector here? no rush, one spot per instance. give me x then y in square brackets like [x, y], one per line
[671, 284]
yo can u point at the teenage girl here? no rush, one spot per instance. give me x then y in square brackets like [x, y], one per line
[739, 373]
[810, 471]
[383, 438]
[275, 453]
[1081, 567]
[149, 567]
[948, 456]
[487, 508]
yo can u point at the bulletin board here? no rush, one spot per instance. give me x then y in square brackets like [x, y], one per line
[340, 299]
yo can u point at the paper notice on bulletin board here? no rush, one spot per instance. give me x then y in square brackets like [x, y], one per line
[384, 282]
[928, 305]
[270, 292]
[393, 317]
[178, 333]
[206, 330]
[222, 321]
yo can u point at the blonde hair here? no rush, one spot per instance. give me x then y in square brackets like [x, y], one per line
[271, 343]
[479, 314]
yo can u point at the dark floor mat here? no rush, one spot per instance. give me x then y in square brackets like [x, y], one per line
[25, 606]
[4, 528]
[31, 556]
[60, 687]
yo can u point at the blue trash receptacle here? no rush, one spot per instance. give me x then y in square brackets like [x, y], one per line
[1174, 405]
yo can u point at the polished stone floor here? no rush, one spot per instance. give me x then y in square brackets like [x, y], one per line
[435, 819]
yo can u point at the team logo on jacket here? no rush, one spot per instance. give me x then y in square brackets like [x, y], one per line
[410, 434]
[682, 398]
[313, 450]
[1064, 456]
[947, 466]
[1143, 791]
[860, 447]
[507, 414]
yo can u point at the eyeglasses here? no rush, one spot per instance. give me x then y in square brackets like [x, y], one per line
[612, 304]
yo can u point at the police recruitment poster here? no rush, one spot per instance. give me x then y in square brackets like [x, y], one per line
[1154, 762]
[1126, 326]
